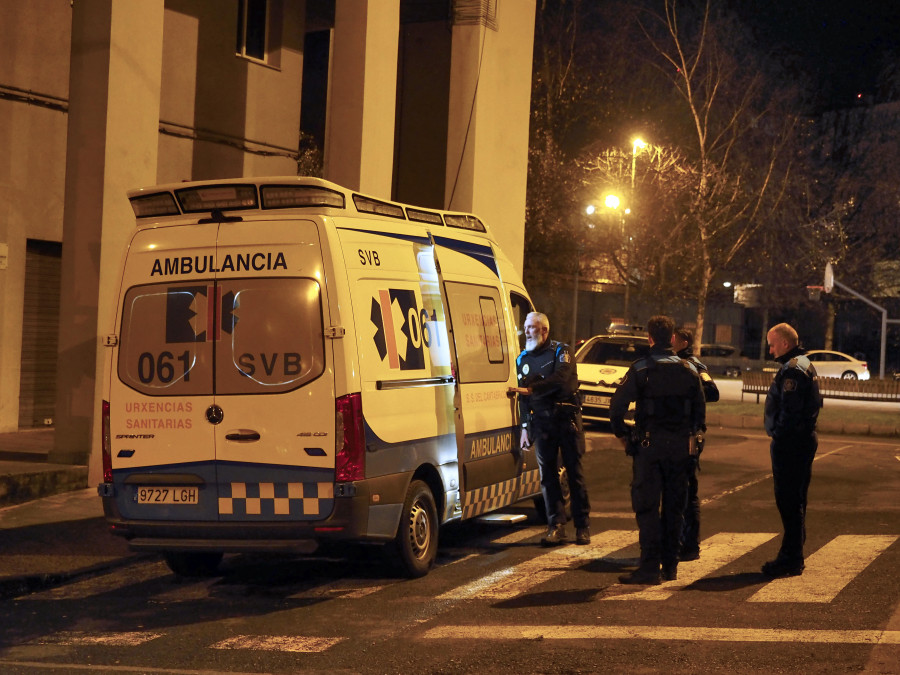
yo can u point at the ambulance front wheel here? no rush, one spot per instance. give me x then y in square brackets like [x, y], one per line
[417, 536]
[193, 563]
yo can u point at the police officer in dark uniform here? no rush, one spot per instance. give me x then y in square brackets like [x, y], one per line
[792, 408]
[550, 413]
[670, 410]
[682, 343]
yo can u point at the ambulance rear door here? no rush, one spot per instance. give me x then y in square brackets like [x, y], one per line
[161, 382]
[274, 383]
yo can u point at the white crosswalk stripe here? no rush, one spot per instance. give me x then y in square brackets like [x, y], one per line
[715, 552]
[515, 580]
[685, 634]
[279, 643]
[92, 586]
[828, 570]
[109, 639]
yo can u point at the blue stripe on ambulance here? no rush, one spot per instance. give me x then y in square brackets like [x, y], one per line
[247, 491]
[480, 252]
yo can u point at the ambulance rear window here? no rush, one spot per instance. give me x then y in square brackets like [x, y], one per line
[235, 336]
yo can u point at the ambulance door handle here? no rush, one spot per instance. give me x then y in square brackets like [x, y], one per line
[242, 435]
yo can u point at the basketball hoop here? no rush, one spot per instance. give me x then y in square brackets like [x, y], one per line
[814, 292]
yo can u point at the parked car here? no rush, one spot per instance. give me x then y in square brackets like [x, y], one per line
[724, 360]
[602, 362]
[838, 364]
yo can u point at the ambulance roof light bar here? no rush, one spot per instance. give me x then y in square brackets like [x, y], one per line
[207, 198]
[464, 222]
[293, 196]
[158, 204]
[377, 207]
[228, 196]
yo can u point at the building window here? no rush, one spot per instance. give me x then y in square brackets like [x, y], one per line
[252, 30]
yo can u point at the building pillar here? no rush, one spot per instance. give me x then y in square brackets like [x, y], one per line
[359, 134]
[113, 136]
[490, 104]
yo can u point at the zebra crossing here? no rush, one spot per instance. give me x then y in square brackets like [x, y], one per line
[828, 571]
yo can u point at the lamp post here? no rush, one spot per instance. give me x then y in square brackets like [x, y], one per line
[589, 210]
[638, 144]
[612, 202]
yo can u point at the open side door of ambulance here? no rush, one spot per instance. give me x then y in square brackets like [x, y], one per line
[221, 404]
[487, 439]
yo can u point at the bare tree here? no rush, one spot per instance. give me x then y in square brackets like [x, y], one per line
[740, 124]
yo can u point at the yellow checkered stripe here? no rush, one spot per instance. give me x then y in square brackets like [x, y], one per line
[490, 498]
[531, 484]
[276, 499]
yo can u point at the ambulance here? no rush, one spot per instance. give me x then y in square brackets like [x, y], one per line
[292, 362]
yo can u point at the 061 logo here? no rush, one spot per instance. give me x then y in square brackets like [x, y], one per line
[402, 330]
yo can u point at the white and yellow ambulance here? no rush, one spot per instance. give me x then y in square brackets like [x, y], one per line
[293, 362]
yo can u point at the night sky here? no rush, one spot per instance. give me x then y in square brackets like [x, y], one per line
[842, 44]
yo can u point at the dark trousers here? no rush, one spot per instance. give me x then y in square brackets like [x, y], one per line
[691, 532]
[658, 494]
[562, 440]
[792, 460]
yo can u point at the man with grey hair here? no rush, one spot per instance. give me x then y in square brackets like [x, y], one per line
[792, 408]
[550, 415]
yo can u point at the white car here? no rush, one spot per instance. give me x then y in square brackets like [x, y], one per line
[602, 363]
[838, 364]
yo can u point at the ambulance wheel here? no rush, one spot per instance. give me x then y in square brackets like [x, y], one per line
[417, 536]
[193, 564]
[541, 506]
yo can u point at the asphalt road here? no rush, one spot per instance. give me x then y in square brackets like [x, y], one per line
[499, 603]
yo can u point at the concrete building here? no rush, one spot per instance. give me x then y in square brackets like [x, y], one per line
[420, 101]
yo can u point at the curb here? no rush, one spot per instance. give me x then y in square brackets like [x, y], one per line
[823, 426]
[27, 486]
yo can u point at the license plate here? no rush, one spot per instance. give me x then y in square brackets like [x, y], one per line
[590, 399]
[168, 495]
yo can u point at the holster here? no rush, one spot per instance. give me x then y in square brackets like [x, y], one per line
[697, 441]
[633, 441]
[565, 412]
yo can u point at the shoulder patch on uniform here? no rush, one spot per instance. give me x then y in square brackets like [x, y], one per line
[790, 384]
[564, 357]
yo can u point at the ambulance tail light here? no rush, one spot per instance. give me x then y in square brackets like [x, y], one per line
[350, 463]
[105, 444]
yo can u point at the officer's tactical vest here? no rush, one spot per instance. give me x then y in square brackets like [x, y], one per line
[667, 388]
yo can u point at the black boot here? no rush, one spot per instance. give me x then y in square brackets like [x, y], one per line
[670, 571]
[555, 536]
[782, 568]
[644, 575]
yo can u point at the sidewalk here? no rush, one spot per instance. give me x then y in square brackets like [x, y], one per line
[25, 473]
[51, 522]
